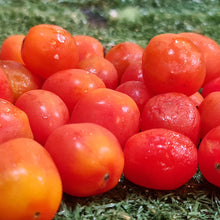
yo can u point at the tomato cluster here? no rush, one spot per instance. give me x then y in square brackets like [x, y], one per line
[74, 119]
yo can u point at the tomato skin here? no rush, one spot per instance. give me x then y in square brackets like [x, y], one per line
[14, 122]
[88, 156]
[46, 111]
[11, 48]
[71, 84]
[102, 68]
[88, 46]
[210, 112]
[137, 90]
[211, 86]
[20, 78]
[172, 63]
[113, 110]
[30, 184]
[174, 111]
[54, 49]
[211, 51]
[133, 72]
[160, 159]
[209, 156]
[6, 91]
[122, 54]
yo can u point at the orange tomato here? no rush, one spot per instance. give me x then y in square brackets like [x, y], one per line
[11, 48]
[88, 156]
[30, 185]
[172, 63]
[49, 48]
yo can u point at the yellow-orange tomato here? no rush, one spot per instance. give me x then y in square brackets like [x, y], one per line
[30, 185]
[88, 156]
[49, 48]
[11, 48]
[14, 122]
[20, 78]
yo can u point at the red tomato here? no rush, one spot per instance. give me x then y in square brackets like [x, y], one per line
[137, 90]
[209, 156]
[172, 63]
[49, 48]
[88, 156]
[6, 91]
[46, 111]
[211, 51]
[102, 68]
[210, 112]
[14, 122]
[11, 48]
[133, 72]
[114, 110]
[174, 111]
[211, 86]
[160, 159]
[30, 184]
[88, 46]
[20, 78]
[71, 84]
[122, 54]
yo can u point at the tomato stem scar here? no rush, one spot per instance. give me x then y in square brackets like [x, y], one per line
[37, 214]
[106, 177]
[217, 166]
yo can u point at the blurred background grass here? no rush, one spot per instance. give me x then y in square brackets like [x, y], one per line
[112, 22]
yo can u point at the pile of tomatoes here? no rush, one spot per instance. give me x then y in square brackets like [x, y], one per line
[73, 119]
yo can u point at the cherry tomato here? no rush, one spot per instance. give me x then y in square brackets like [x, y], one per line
[71, 84]
[211, 86]
[172, 63]
[49, 48]
[88, 156]
[133, 72]
[20, 78]
[88, 46]
[160, 159]
[45, 110]
[11, 48]
[210, 112]
[174, 111]
[122, 54]
[137, 90]
[113, 110]
[6, 91]
[209, 156]
[211, 52]
[102, 68]
[14, 122]
[30, 184]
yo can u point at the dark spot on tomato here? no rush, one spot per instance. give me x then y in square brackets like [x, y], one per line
[217, 166]
[106, 177]
[37, 215]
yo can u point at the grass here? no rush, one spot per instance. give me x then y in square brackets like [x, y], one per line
[137, 21]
